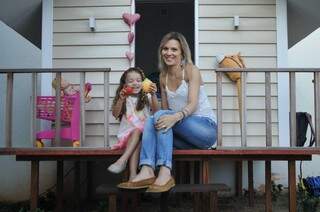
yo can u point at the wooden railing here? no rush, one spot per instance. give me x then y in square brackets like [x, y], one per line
[34, 72]
[243, 110]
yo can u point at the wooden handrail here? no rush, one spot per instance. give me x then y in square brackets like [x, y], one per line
[277, 70]
[53, 70]
[292, 90]
[33, 126]
[11, 72]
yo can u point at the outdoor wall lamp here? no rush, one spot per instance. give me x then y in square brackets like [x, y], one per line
[92, 24]
[236, 21]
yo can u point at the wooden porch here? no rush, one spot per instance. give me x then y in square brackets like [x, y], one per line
[237, 154]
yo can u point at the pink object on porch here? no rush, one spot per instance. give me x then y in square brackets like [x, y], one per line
[70, 117]
[129, 55]
[130, 19]
[130, 37]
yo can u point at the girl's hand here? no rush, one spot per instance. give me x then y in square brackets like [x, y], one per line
[153, 88]
[123, 94]
[165, 122]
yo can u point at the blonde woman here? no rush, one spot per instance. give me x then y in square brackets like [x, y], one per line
[186, 120]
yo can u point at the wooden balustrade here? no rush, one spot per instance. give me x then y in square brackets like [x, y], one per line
[33, 122]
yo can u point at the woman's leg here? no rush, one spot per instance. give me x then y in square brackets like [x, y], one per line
[147, 151]
[156, 148]
[179, 143]
[164, 151]
[133, 162]
[197, 131]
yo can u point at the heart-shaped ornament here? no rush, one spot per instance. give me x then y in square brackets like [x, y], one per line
[130, 19]
[130, 55]
[130, 37]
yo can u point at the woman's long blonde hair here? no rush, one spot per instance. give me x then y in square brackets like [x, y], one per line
[185, 50]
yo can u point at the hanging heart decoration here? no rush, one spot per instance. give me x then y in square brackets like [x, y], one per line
[130, 55]
[130, 37]
[130, 19]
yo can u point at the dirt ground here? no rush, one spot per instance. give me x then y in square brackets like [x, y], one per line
[184, 203]
[177, 203]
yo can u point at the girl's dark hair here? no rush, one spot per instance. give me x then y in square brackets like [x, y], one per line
[142, 96]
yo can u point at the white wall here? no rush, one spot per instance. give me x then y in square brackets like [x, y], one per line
[306, 54]
[17, 52]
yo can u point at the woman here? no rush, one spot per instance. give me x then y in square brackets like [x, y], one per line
[186, 114]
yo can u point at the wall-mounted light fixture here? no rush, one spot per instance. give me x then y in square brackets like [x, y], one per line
[92, 24]
[236, 21]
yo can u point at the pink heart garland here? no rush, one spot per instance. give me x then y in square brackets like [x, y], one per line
[130, 55]
[130, 19]
[130, 37]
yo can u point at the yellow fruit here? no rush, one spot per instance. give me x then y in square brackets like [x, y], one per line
[146, 85]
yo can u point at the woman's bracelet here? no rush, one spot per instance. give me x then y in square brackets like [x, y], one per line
[185, 112]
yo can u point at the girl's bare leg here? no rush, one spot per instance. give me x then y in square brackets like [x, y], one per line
[131, 146]
[133, 162]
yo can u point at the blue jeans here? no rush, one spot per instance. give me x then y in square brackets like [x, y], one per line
[193, 132]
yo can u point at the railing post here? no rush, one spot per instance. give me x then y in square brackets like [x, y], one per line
[106, 109]
[243, 109]
[317, 107]
[219, 107]
[8, 114]
[33, 109]
[268, 108]
[82, 109]
[293, 123]
[57, 140]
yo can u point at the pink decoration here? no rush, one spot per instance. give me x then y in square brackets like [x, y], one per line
[130, 55]
[130, 37]
[130, 19]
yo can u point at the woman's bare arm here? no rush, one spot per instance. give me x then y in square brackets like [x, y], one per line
[164, 100]
[194, 79]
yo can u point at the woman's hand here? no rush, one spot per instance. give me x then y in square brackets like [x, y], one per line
[165, 122]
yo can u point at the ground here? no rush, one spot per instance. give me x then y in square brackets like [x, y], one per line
[177, 203]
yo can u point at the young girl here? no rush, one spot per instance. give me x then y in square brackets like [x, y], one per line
[131, 106]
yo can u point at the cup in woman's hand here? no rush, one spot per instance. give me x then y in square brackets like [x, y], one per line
[146, 85]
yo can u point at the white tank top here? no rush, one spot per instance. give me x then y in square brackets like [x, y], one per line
[178, 99]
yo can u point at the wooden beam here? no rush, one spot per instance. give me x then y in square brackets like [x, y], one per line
[52, 70]
[317, 107]
[219, 108]
[8, 112]
[293, 121]
[250, 183]
[238, 178]
[77, 186]
[268, 185]
[106, 110]
[205, 171]
[243, 109]
[292, 186]
[34, 185]
[59, 191]
[82, 109]
[290, 70]
[57, 140]
[268, 109]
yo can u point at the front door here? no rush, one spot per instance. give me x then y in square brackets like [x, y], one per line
[158, 18]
